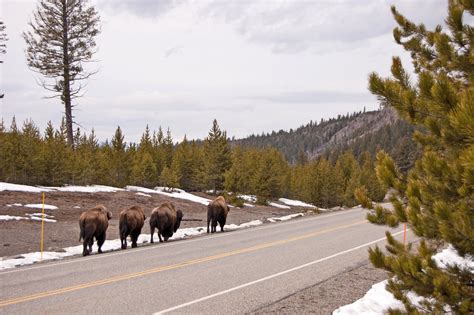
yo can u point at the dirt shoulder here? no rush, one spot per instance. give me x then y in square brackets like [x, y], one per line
[23, 236]
[326, 296]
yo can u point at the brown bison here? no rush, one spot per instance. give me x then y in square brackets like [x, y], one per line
[94, 223]
[217, 212]
[166, 219]
[130, 223]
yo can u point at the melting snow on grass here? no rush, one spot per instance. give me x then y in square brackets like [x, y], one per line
[378, 300]
[109, 245]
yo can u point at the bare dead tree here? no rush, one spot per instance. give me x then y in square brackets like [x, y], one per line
[60, 41]
[3, 45]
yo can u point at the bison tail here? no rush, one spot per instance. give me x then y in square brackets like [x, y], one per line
[81, 233]
[123, 226]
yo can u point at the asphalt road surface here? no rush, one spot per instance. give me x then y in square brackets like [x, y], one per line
[230, 272]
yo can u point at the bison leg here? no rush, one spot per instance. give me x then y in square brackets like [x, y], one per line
[134, 236]
[85, 252]
[159, 236]
[123, 240]
[222, 226]
[91, 242]
[214, 225]
[208, 221]
[100, 241]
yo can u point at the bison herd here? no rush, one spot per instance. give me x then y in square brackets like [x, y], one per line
[166, 219]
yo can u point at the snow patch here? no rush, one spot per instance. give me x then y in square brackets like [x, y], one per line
[15, 205]
[249, 205]
[175, 193]
[11, 217]
[450, 257]
[24, 188]
[87, 189]
[142, 194]
[277, 205]
[76, 207]
[40, 206]
[296, 203]
[285, 218]
[375, 301]
[249, 198]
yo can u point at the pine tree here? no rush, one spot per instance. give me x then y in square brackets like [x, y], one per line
[436, 197]
[59, 44]
[119, 159]
[217, 157]
[169, 178]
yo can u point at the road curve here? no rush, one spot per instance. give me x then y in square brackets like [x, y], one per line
[232, 272]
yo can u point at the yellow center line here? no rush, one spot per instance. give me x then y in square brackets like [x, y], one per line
[171, 267]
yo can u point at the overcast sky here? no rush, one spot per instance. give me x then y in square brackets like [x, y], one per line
[253, 65]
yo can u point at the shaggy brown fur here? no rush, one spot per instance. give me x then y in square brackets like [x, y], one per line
[131, 222]
[217, 212]
[166, 219]
[94, 223]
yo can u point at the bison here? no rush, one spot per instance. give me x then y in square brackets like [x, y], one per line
[94, 223]
[166, 219]
[217, 212]
[130, 223]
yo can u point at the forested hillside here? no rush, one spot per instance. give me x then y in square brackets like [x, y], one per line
[358, 132]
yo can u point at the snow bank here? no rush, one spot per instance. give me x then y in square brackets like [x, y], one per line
[375, 301]
[296, 203]
[109, 245]
[25, 188]
[277, 205]
[285, 218]
[40, 206]
[450, 256]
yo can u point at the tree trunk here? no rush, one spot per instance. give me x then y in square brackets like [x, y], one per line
[66, 79]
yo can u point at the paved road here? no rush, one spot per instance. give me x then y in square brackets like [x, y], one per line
[232, 272]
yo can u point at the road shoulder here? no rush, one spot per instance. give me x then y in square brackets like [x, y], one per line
[325, 296]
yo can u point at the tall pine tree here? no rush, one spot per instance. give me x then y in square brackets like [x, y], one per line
[436, 198]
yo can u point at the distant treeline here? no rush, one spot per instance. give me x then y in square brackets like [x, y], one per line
[28, 156]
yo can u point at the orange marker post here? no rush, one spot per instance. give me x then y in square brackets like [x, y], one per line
[42, 229]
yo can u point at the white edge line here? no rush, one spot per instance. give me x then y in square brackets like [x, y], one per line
[271, 276]
[71, 259]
